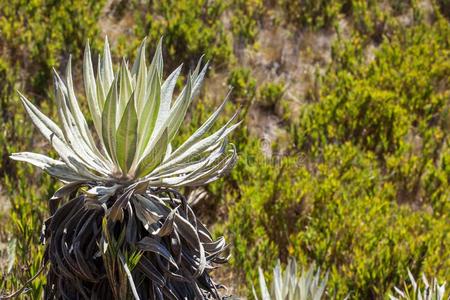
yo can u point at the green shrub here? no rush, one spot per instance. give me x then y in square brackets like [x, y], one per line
[311, 13]
[395, 106]
[370, 19]
[190, 29]
[444, 7]
[34, 33]
[243, 84]
[246, 19]
[24, 189]
[270, 94]
[360, 233]
[400, 7]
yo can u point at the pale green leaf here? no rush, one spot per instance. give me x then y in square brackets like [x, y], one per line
[126, 137]
[109, 121]
[151, 160]
[200, 131]
[198, 80]
[125, 90]
[108, 73]
[71, 131]
[200, 146]
[179, 109]
[139, 70]
[149, 113]
[76, 110]
[54, 135]
[157, 61]
[53, 167]
[11, 254]
[101, 85]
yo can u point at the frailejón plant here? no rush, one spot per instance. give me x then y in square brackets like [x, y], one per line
[119, 228]
[288, 285]
[432, 291]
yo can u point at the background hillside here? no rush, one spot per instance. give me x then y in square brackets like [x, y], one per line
[344, 150]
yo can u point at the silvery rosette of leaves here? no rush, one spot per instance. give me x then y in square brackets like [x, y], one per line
[289, 285]
[119, 228]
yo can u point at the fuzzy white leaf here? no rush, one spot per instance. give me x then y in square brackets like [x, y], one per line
[108, 73]
[91, 89]
[166, 98]
[53, 167]
[200, 132]
[55, 136]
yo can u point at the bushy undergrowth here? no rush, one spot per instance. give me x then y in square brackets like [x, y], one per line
[246, 19]
[191, 28]
[270, 94]
[243, 85]
[362, 189]
[364, 192]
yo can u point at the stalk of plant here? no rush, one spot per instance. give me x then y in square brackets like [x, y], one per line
[119, 228]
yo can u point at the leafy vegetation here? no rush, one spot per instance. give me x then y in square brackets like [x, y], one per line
[246, 18]
[354, 178]
[270, 94]
[190, 28]
[365, 186]
[243, 85]
[312, 14]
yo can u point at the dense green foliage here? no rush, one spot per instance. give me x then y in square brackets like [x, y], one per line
[243, 85]
[270, 94]
[370, 196]
[190, 29]
[361, 187]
